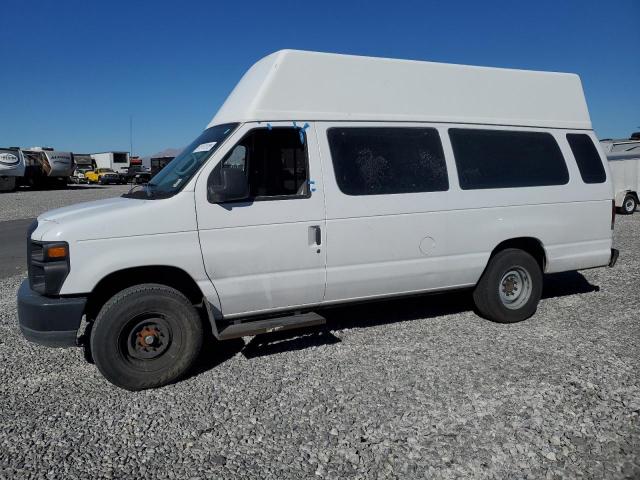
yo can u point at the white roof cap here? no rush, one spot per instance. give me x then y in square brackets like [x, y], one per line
[299, 85]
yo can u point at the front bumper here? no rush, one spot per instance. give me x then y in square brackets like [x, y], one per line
[53, 322]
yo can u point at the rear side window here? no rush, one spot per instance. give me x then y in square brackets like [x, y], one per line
[387, 160]
[587, 158]
[507, 159]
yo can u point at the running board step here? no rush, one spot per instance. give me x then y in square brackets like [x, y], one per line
[268, 325]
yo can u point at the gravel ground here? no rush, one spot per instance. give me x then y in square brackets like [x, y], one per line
[27, 203]
[413, 388]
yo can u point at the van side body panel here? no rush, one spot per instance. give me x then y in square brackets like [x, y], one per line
[258, 258]
[400, 243]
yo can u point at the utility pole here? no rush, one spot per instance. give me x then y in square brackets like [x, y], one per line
[131, 135]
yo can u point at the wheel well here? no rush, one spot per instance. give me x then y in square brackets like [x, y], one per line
[531, 245]
[117, 281]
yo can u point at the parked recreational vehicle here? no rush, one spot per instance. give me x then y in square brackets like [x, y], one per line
[116, 161]
[36, 167]
[326, 179]
[46, 166]
[624, 163]
[11, 168]
[62, 164]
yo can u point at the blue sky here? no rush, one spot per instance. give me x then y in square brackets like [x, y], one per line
[75, 70]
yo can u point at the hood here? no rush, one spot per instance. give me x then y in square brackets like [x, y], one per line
[118, 217]
[96, 207]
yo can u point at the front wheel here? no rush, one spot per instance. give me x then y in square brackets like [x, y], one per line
[146, 336]
[510, 287]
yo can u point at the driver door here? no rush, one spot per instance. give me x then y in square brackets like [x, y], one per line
[267, 252]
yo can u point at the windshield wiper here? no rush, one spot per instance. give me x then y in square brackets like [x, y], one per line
[133, 193]
[147, 192]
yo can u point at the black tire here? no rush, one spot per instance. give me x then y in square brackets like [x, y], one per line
[11, 184]
[132, 316]
[510, 287]
[629, 204]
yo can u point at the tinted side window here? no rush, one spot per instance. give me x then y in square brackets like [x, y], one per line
[507, 159]
[381, 160]
[587, 158]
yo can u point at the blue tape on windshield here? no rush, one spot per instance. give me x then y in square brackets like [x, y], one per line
[312, 184]
[268, 126]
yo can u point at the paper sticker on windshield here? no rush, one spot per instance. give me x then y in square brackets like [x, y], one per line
[205, 147]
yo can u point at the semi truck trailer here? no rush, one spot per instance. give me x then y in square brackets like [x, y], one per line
[116, 161]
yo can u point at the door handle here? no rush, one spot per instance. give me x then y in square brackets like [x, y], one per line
[315, 235]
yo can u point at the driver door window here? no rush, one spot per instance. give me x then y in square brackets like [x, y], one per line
[275, 161]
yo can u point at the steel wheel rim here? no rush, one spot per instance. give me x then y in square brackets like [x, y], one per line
[146, 337]
[514, 288]
[629, 205]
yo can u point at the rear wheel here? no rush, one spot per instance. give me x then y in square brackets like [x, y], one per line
[629, 204]
[510, 288]
[146, 336]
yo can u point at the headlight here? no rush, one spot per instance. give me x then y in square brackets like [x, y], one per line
[48, 266]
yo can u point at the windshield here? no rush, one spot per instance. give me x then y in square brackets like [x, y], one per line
[168, 181]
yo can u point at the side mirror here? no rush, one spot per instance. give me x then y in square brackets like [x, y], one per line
[234, 186]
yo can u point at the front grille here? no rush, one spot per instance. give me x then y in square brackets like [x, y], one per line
[36, 266]
[34, 252]
[37, 278]
[46, 276]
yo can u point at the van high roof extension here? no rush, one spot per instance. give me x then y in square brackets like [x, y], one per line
[299, 85]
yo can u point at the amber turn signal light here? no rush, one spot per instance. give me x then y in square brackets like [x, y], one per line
[59, 251]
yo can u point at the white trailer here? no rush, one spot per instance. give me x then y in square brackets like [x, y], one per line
[116, 161]
[624, 163]
[11, 168]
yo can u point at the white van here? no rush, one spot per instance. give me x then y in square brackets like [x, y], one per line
[624, 164]
[326, 179]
